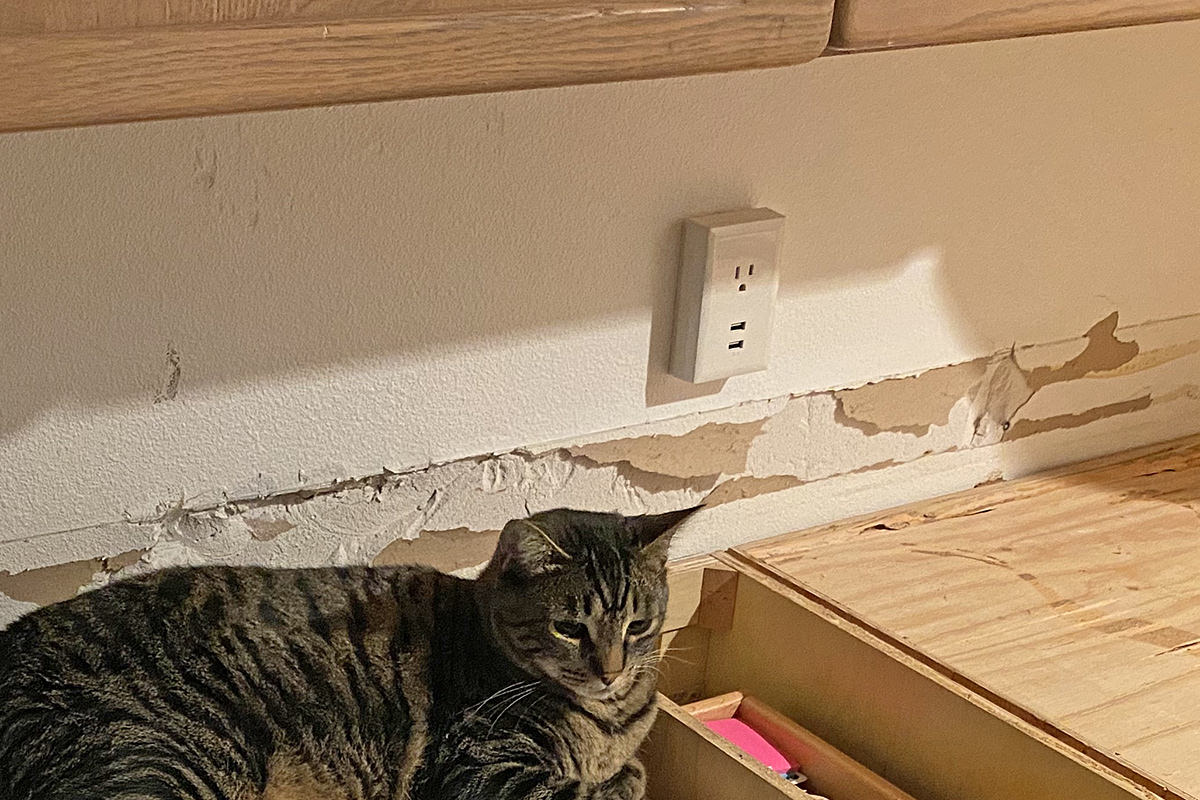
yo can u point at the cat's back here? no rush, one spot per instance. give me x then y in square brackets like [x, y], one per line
[224, 670]
[176, 613]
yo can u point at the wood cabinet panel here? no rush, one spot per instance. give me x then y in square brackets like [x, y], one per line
[884, 24]
[134, 61]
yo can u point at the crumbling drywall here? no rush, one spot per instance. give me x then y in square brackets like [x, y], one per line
[760, 467]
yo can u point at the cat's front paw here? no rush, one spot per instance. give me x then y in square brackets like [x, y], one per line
[628, 784]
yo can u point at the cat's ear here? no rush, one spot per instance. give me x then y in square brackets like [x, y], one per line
[652, 532]
[527, 549]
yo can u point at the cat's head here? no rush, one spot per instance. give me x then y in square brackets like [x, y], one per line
[578, 597]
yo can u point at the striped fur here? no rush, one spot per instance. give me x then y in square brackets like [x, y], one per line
[217, 683]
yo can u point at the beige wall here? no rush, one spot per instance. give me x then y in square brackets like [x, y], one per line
[198, 314]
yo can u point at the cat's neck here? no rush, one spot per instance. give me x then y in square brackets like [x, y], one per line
[619, 711]
[466, 664]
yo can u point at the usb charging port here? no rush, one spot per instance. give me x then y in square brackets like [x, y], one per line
[737, 345]
[738, 326]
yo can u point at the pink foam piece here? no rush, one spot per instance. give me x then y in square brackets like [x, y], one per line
[749, 740]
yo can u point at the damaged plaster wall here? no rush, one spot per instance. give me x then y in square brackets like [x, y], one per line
[375, 333]
[939, 430]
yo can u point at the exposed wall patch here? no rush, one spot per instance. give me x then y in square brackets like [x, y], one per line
[761, 467]
[1028, 427]
[267, 528]
[169, 386]
[908, 405]
[1149, 359]
[204, 167]
[749, 486]
[451, 550]
[62, 581]
[1104, 352]
[716, 448]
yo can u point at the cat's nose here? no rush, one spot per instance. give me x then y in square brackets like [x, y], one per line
[609, 678]
[611, 663]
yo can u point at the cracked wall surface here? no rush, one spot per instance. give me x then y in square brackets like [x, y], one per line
[1023, 408]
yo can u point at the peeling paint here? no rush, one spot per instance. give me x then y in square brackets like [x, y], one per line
[1007, 388]
[266, 529]
[62, 581]
[1002, 392]
[718, 448]
[803, 458]
[1104, 352]
[204, 167]
[1028, 427]
[643, 480]
[1150, 359]
[450, 550]
[999, 388]
[749, 486]
[909, 405]
[169, 387]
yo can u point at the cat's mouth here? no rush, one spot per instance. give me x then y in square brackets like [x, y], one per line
[600, 691]
[586, 685]
[593, 688]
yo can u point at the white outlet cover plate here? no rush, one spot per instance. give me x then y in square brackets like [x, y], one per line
[725, 297]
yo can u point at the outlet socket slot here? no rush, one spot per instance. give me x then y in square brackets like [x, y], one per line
[725, 298]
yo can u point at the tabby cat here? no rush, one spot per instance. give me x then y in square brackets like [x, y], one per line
[533, 682]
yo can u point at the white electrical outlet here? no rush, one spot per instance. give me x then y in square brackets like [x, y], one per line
[725, 298]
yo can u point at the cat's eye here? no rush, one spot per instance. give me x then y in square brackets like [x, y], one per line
[568, 630]
[637, 627]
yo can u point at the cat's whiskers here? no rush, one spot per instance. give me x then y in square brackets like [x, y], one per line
[669, 652]
[498, 696]
[531, 708]
[503, 711]
[673, 659]
[641, 669]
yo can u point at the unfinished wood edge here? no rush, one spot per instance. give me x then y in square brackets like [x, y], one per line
[722, 706]
[128, 75]
[1112, 768]
[969, 501]
[703, 592]
[691, 564]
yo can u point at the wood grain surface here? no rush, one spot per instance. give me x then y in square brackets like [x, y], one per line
[128, 61]
[1074, 595]
[883, 24]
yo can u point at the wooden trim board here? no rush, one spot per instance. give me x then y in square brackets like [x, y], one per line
[1071, 600]
[65, 74]
[887, 24]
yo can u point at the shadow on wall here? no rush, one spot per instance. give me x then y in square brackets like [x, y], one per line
[140, 261]
[984, 193]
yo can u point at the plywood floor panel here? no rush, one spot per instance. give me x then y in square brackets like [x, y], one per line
[1075, 596]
